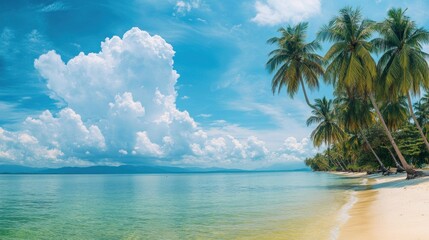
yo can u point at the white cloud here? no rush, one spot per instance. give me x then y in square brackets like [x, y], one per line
[291, 144]
[273, 12]
[66, 131]
[121, 104]
[184, 7]
[24, 149]
[146, 147]
[204, 115]
[125, 105]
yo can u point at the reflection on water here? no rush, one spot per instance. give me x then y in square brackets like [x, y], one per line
[280, 205]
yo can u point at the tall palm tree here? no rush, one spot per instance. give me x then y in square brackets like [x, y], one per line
[355, 115]
[395, 114]
[403, 65]
[328, 130]
[295, 61]
[351, 67]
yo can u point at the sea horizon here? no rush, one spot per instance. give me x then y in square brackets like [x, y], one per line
[134, 169]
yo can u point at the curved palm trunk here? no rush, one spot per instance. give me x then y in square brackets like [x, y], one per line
[343, 165]
[404, 163]
[383, 168]
[410, 106]
[335, 162]
[305, 95]
[398, 166]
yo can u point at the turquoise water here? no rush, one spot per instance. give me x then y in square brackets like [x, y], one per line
[280, 205]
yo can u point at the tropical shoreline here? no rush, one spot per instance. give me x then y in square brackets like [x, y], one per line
[391, 208]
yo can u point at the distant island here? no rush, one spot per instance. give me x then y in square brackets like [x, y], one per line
[128, 169]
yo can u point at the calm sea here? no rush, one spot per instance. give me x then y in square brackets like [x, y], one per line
[270, 205]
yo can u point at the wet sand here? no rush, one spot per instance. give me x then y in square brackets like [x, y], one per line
[393, 209]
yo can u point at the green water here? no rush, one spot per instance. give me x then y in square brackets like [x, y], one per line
[281, 205]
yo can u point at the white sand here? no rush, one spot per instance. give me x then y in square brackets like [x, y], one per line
[349, 174]
[396, 209]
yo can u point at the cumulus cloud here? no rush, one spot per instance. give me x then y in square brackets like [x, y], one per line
[121, 104]
[66, 132]
[272, 12]
[24, 149]
[293, 145]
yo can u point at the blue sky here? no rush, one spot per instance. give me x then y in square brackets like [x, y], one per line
[106, 109]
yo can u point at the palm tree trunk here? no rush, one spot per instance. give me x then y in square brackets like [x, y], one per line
[383, 168]
[404, 163]
[340, 164]
[343, 165]
[334, 160]
[410, 106]
[305, 95]
[398, 166]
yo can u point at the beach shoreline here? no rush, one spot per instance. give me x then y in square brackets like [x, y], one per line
[391, 207]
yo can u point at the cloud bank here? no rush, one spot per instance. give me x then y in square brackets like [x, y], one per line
[121, 109]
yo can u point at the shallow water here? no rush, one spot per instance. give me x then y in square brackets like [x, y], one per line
[270, 205]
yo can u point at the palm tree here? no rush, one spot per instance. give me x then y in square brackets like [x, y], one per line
[395, 113]
[328, 130]
[352, 144]
[351, 67]
[355, 115]
[295, 61]
[403, 65]
[422, 111]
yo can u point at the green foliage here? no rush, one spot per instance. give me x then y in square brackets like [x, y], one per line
[327, 131]
[294, 60]
[318, 163]
[402, 66]
[411, 145]
[351, 67]
[351, 126]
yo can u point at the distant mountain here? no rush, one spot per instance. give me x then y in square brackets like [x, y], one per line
[291, 166]
[123, 169]
[130, 169]
[18, 169]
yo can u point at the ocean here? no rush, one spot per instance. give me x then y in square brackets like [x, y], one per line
[264, 205]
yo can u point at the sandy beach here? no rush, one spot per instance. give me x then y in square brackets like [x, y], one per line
[394, 208]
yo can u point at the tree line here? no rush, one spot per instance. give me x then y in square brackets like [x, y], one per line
[375, 68]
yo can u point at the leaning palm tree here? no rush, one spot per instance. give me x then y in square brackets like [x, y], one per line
[403, 66]
[351, 67]
[395, 114]
[355, 115]
[328, 130]
[295, 61]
